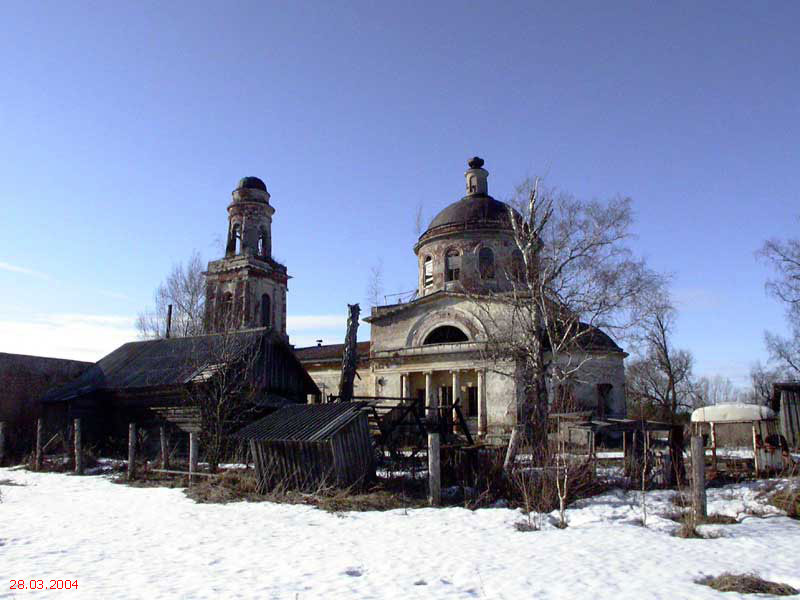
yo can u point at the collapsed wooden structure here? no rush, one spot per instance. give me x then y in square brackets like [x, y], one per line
[582, 429]
[312, 446]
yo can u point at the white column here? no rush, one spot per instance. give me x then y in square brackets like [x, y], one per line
[405, 382]
[482, 420]
[456, 396]
[427, 389]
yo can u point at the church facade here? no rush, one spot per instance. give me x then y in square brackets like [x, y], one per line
[430, 348]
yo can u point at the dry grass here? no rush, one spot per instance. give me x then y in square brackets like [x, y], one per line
[787, 500]
[719, 520]
[748, 583]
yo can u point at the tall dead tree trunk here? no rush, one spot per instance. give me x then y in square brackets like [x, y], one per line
[350, 356]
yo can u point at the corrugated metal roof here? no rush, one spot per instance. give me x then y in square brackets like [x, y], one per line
[303, 422]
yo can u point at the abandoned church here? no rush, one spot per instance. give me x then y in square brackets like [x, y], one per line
[429, 348]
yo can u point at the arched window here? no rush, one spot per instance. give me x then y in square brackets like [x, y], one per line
[486, 263]
[235, 243]
[452, 265]
[427, 272]
[226, 310]
[446, 334]
[262, 244]
[266, 310]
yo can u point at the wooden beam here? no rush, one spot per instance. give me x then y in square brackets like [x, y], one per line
[78, 449]
[699, 506]
[164, 449]
[39, 440]
[131, 451]
[192, 456]
[434, 471]
[2, 441]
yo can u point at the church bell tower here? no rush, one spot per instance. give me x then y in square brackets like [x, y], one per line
[247, 288]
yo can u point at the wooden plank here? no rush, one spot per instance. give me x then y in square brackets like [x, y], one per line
[193, 454]
[2, 442]
[699, 506]
[164, 449]
[434, 471]
[131, 451]
[39, 449]
[78, 449]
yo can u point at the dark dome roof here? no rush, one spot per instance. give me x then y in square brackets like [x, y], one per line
[251, 183]
[472, 209]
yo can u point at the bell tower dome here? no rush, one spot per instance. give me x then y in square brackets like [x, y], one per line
[248, 287]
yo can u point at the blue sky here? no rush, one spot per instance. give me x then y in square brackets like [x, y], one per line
[124, 128]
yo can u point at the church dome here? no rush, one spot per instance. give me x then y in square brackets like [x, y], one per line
[472, 209]
[476, 210]
[251, 183]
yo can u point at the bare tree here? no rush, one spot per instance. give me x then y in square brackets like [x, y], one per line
[717, 389]
[572, 274]
[784, 257]
[418, 219]
[184, 288]
[375, 283]
[659, 383]
[222, 387]
[762, 378]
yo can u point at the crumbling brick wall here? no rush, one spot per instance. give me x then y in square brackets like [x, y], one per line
[23, 380]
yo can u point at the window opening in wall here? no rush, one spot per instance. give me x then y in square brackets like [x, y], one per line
[604, 407]
[427, 272]
[262, 244]
[452, 265]
[266, 310]
[226, 310]
[446, 334]
[236, 239]
[472, 401]
[486, 263]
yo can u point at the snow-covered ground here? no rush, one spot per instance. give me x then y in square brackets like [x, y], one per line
[125, 542]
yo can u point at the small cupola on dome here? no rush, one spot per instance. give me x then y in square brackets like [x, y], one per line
[476, 177]
[251, 189]
[251, 183]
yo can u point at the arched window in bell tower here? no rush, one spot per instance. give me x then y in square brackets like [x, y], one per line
[427, 272]
[235, 240]
[266, 310]
[262, 243]
[226, 312]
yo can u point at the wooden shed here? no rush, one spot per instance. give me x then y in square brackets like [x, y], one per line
[313, 445]
[786, 403]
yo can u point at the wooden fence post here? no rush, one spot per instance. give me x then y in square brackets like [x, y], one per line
[131, 451]
[164, 449]
[698, 479]
[2, 441]
[434, 471]
[192, 456]
[78, 450]
[39, 441]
